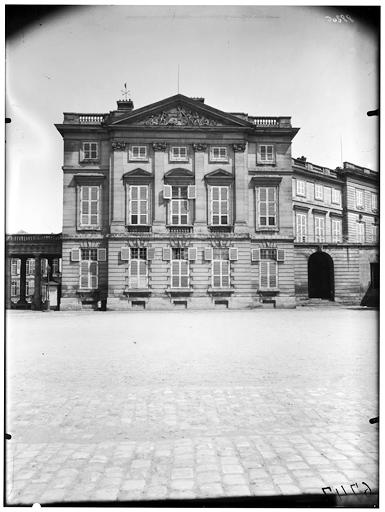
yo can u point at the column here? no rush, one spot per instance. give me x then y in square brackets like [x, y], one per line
[8, 280]
[159, 202]
[241, 187]
[201, 193]
[23, 279]
[49, 268]
[36, 302]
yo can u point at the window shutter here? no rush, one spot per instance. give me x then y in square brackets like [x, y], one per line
[151, 253]
[208, 253]
[258, 154]
[81, 155]
[128, 204]
[125, 253]
[102, 255]
[75, 254]
[167, 191]
[210, 205]
[280, 255]
[255, 254]
[166, 254]
[192, 253]
[233, 253]
[191, 192]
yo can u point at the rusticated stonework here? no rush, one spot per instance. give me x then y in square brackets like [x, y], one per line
[200, 147]
[179, 116]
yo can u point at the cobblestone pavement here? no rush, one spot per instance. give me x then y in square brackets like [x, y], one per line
[152, 405]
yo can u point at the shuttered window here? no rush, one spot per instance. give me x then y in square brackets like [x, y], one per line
[89, 206]
[89, 269]
[301, 227]
[15, 288]
[220, 205]
[319, 192]
[220, 268]
[179, 268]
[359, 198]
[15, 266]
[360, 226]
[268, 274]
[301, 188]
[336, 230]
[374, 201]
[319, 229]
[336, 196]
[266, 207]
[138, 268]
[138, 205]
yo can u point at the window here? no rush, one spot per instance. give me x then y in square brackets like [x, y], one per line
[15, 266]
[374, 202]
[375, 233]
[89, 206]
[179, 206]
[266, 154]
[15, 288]
[30, 266]
[138, 153]
[336, 230]
[268, 269]
[220, 268]
[266, 207]
[319, 229]
[319, 192]
[301, 227]
[336, 196]
[218, 154]
[220, 213]
[178, 153]
[179, 268]
[29, 287]
[89, 269]
[328, 195]
[301, 188]
[359, 198]
[360, 232]
[138, 205]
[90, 151]
[138, 275]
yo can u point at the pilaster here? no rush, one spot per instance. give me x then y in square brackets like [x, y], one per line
[36, 302]
[159, 224]
[23, 280]
[241, 188]
[200, 224]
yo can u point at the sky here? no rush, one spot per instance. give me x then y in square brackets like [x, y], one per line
[288, 61]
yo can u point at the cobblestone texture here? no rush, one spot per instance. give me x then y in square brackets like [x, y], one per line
[202, 405]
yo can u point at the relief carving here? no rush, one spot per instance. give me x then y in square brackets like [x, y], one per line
[118, 146]
[179, 117]
[239, 147]
[200, 147]
[159, 146]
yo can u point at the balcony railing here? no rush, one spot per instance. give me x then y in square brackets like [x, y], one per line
[330, 239]
[271, 122]
[33, 238]
[75, 118]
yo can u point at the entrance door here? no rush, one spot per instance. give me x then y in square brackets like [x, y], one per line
[321, 276]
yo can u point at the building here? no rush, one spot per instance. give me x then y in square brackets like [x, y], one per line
[181, 205]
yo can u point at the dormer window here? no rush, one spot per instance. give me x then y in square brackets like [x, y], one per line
[90, 151]
[178, 154]
[137, 152]
[218, 154]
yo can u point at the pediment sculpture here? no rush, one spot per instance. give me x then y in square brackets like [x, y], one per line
[179, 116]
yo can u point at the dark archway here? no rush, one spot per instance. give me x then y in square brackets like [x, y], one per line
[321, 276]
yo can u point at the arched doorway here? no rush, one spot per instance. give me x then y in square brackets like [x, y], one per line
[321, 276]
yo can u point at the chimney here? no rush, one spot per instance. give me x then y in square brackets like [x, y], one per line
[125, 105]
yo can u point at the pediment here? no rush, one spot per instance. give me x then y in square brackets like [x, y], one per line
[179, 172]
[180, 112]
[137, 173]
[219, 173]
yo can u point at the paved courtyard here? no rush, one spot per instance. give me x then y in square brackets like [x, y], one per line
[152, 405]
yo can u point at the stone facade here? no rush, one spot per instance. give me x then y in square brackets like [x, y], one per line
[180, 205]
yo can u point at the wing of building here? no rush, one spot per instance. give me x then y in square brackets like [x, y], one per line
[179, 204]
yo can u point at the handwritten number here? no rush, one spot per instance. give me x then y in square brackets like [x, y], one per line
[353, 486]
[330, 489]
[370, 490]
